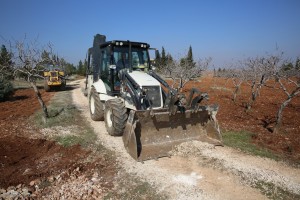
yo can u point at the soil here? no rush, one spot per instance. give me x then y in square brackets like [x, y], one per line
[260, 119]
[16, 110]
[29, 160]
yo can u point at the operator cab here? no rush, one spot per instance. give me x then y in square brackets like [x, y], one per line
[125, 55]
[114, 56]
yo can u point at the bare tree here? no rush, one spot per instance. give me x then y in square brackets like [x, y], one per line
[258, 71]
[182, 72]
[237, 80]
[28, 63]
[262, 69]
[285, 78]
[274, 67]
[237, 74]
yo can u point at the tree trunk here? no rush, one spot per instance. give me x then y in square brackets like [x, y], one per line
[279, 114]
[254, 95]
[249, 104]
[283, 105]
[234, 95]
[256, 91]
[236, 91]
[252, 99]
[181, 82]
[38, 95]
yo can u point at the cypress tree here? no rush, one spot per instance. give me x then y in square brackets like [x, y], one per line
[5, 56]
[163, 57]
[157, 59]
[81, 68]
[189, 58]
[6, 62]
[169, 59]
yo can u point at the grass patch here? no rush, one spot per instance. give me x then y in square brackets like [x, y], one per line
[61, 112]
[274, 192]
[68, 140]
[242, 140]
[85, 139]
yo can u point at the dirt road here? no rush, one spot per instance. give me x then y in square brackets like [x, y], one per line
[200, 171]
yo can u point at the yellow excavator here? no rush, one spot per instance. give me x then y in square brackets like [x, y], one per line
[54, 78]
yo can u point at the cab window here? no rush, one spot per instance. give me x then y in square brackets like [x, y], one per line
[104, 63]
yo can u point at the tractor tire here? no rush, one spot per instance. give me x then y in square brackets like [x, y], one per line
[46, 86]
[115, 117]
[63, 86]
[96, 106]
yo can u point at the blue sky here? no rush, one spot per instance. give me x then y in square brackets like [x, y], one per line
[224, 30]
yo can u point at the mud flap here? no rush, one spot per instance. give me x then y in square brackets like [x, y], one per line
[151, 135]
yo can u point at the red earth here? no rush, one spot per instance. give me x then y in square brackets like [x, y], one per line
[260, 119]
[26, 156]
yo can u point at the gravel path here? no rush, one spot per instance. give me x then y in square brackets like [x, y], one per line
[198, 170]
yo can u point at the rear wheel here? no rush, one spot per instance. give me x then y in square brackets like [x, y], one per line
[96, 106]
[115, 116]
[46, 86]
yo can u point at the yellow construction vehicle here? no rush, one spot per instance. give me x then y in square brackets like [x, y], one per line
[54, 79]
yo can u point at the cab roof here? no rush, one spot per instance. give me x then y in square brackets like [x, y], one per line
[125, 43]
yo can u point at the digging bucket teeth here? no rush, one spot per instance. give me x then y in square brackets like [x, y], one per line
[153, 134]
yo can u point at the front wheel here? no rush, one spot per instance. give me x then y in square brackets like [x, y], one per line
[96, 106]
[63, 86]
[115, 117]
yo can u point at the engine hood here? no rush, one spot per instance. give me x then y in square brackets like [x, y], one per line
[144, 79]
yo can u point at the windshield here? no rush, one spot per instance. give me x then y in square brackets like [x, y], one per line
[140, 58]
[52, 68]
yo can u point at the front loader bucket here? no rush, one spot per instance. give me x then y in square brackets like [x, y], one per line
[153, 134]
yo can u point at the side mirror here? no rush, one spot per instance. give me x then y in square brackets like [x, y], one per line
[152, 65]
[112, 67]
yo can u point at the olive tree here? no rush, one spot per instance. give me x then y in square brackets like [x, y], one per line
[289, 81]
[261, 69]
[28, 63]
[237, 73]
[181, 71]
[258, 71]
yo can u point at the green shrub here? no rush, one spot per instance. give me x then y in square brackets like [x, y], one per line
[6, 89]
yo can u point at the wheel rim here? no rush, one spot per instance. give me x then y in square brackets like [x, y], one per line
[108, 118]
[92, 105]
